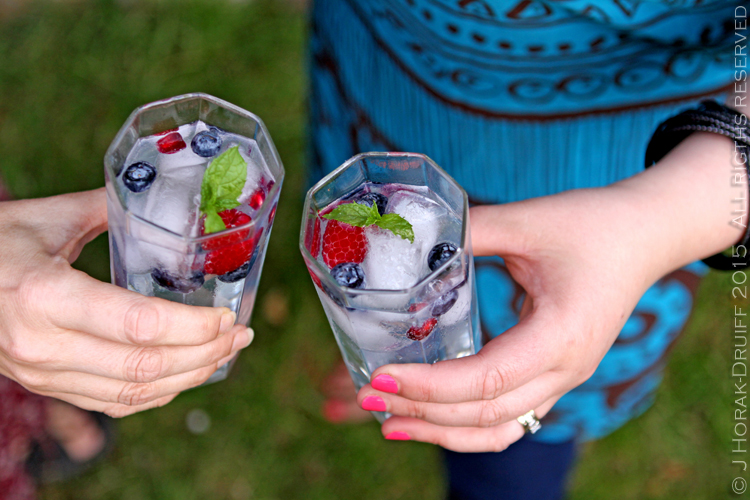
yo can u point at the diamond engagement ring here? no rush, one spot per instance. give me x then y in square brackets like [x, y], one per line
[529, 421]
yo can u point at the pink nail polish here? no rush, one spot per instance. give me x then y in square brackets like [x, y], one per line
[373, 403]
[385, 383]
[398, 436]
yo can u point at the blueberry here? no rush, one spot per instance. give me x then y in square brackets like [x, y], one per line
[369, 198]
[206, 143]
[443, 304]
[138, 177]
[242, 271]
[177, 283]
[440, 254]
[349, 275]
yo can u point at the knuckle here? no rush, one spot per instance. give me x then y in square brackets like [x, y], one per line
[145, 364]
[22, 350]
[32, 379]
[427, 390]
[492, 382]
[136, 394]
[417, 410]
[142, 322]
[490, 414]
[34, 291]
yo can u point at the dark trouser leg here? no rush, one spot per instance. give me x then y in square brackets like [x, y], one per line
[527, 470]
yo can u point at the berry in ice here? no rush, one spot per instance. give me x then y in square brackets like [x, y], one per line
[232, 218]
[440, 254]
[206, 143]
[242, 271]
[178, 284]
[257, 199]
[423, 331]
[229, 258]
[343, 243]
[369, 198]
[139, 176]
[170, 143]
[443, 303]
[349, 275]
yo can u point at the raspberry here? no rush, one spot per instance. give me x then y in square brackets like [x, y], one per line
[170, 143]
[229, 258]
[232, 218]
[312, 239]
[231, 251]
[343, 243]
[422, 332]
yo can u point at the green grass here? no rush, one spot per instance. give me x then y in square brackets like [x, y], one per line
[69, 76]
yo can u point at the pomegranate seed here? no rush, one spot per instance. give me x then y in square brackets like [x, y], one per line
[170, 143]
[257, 199]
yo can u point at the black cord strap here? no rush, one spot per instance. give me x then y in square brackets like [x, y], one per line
[709, 116]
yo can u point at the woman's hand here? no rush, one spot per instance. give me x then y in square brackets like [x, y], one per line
[584, 259]
[66, 335]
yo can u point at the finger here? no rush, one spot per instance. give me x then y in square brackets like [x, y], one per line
[107, 390]
[113, 313]
[87, 354]
[460, 439]
[114, 410]
[339, 412]
[507, 362]
[339, 385]
[472, 414]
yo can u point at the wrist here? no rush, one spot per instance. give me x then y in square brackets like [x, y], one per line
[696, 198]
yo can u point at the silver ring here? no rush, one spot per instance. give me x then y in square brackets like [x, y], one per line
[529, 421]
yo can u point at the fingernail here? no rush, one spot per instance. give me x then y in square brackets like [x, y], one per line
[242, 339]
[385, 383]
[373, 403]
[227, 322]
[398, 436]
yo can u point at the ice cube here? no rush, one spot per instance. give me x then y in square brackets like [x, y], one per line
[370, 330]
[426, 217]
[392, 262]
[251, 154]
[173, 200]
[460, 309]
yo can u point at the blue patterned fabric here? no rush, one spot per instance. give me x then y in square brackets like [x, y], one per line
[519, 99]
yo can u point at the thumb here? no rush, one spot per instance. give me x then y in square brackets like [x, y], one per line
[65, 223]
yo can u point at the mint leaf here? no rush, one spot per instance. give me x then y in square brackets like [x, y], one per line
[354, 214]
[227, 174]
[360, 215]
[222, 185]
[213, 223]
[397, 225]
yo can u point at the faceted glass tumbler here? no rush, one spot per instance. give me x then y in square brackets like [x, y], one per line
[134, 241]
[372, 326]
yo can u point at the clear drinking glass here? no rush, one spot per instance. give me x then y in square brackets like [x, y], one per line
[156, 235]
[432, 315]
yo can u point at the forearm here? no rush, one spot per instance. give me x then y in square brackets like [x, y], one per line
[691, 204]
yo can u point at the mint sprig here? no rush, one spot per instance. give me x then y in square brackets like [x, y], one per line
[222, 185]
[361, 215]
